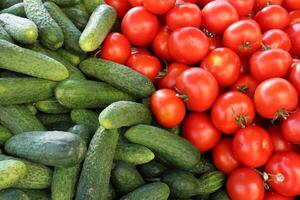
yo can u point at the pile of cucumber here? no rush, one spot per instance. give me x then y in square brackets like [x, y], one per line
[77, 127]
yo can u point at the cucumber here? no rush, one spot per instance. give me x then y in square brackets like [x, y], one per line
[119, 76]
[95, 175]
[124, 114]
[66, 3]
[151, 191]
[50, 119]
[85, 117]
[210, 182]
[126, 178]
[50, 33]
[99, 25]
[91, 5]
[4, 35]
[220, 195]
[32, 108]
[152, 169]
[18, 59]
[8, 3]
[133, 153]
[13, 194]
[69, 56]
[5, 134]
[88, 94]
[203, 166]
[70, 31]
[37, 195]
[25, 90]
[202, 197]
[17, 9]
[174, 149]
[11, 74]
[11, 171]
[53, 148]
[18, 119]
[51, 106]
[111, 193]
[78, 16]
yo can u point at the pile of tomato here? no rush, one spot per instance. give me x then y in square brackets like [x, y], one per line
[227, 72]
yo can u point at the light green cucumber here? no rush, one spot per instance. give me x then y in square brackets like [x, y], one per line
[5, 134]
[13, 194]
[11, 171]
[78, 16]
[73, 58]
[4, 35]
[37, 194]
[17, 9]
[91, 5]
[85, 117]
[51, 106]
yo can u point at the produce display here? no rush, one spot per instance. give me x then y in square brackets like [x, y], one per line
[149, 99]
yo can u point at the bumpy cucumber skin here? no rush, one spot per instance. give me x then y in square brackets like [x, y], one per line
[5, 36]
[78, 16]
[5, 134]
[8, 3]
[152, 169]
[69, 56]
[51, 106]
[37, 195]
[85, 117]
[203, 166]
[13, 194]
[11, 171]
[50, 33]
[211, 182]
[99, 25]
[17, 9]
[66, 3]
[91, 5]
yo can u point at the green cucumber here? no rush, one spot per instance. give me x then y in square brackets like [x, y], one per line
[95, 175]
[4, 35]
[78, 16]
[85, 117]
[11, 74]
[17, 9]
[151, 191]
[51, 106]
[13, 194]
[53, 148]
[37, 194]
[203, 166]
[32, 108]
[177, 151]
[91, 5]
[18, 59]
[152, 169]
[99, 25]
[8, 3]
[119, 76]
[210, 182]
[72, 58]
[11, 171]
[202, 197]
[50, 33]
[88, 94]
[124, 114]
[50, 119]
[5, 134]
[66, 3]
[220, 194]
[111, 193]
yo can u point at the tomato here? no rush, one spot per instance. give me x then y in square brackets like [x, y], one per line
[158, 7]
[160, 44]
[218, 15]
[121, 6]
[270, 63]
[276, 196]
[232, 111]
[294, 76]
[274, 97]
[214, 42]
[294, 16]
[147, 65]
[204, 2]
[224, 64]
[284, 173]
[116, 47]
[291, 4]
[245, 84]
[140, 26]
[276, 38]
[199, 87]
[245, 184]
[294, 31]
[188, 45]
[191, 1]
[259, 4]
[168, 109]
[290, 128]
[243, 36]
[174, 70]
[243, 7]
[279, 142]
[223, 157]
[140, 50]
[135, 3]
[184, 15]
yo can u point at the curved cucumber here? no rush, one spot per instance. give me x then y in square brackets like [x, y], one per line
[51, 106]
[91, 5]
[13, 194]
[17, 9]
[85, 117]
[152, 169]
[4, 35]
[211, 182]
[78, 16]
[5, 134]
[11, 171]
[69, 56]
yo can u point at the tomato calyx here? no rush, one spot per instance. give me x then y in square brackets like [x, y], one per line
[241, 120]
[184, 97]
[161, 74]
[282, 113]
[267, 177]
[264, 47]
[208, 33]
[243, 88]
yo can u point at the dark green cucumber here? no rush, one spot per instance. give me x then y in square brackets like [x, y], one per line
[99, 25]
[50, 33]
[91, 5]
[88, 94]
[111, 193]
[13, 194]
[8, 3]
[54, 148]
[37, 194]
[124, 114]
[95, 175]
[4, 35]
[18, 59]
[151, 191]
[11, 171]
[220, 194]
[50, 119]
[203, 197]
[11, 74]
[78, 16]
[66, 3]
[17, 9]
[210, 182]
[51, 106]
[5, 134]
[119, 76]
[72, 58]
[203, 166]
[85, 117]
[177, 151]
[152, 169]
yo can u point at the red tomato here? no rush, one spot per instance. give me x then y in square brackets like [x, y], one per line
[184, 15]
[223, 156]
[259, 4]
[294, 76]
[140, 50]
[188, 45]
[200, 88]
[243, 7]
[214, 42]
[294, 31]
[290, 128]
[232, 111]
[140, 26]
[294, 16]
[135, 3]
[160, 44]
[245, 184]
[245, 84]
[158, 7]
[147, 65]
[224, 64]
[173, 72]
[191, 1]
[276, 196]
[284, 173]
[121, 6]
[276, 38]
[218, 15]
[167, 108]
[243, 36]
[291, 4]
[204, 2]
[274, 97]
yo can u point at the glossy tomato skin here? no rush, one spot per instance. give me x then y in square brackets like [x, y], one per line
[158, 7]
[140, 50]
[245, 84]
[135, 3]
[293, 31]
[188, 45]
[291, 4]
[160, 44]
[200, 87]
[140, 26]
[285, 170]
[290, 128]
[168, 109]
[294, 76]
[276, 196]
[276, 38]
[294, 17]
[243, 7]
[245, 184]
[121, 6]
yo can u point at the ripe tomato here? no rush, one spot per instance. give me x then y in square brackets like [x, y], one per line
[168, 109]
[279, 142]
[294, 31]
[224, 64]
[270, 63]
[260, 4]
[160, 44]
[245, 184]
[274, 97]
[294, 76]
[276, 196]
[121, 6]
[147, 65]
[243, 36]
[284, 173]
[188, 45]
[245, 84]
[276, 38]
[158, 7]
[135, 3]
[294, 16]
[140, 50]
[116, 47]
[184, 15]
[173, 72]
[290, 128]
[200, 88]
[218, 15]
[199, 130]
[140, 26]
[223, 156]
[232, 111]
[243, 7]
[214, 42]
[291, 4]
